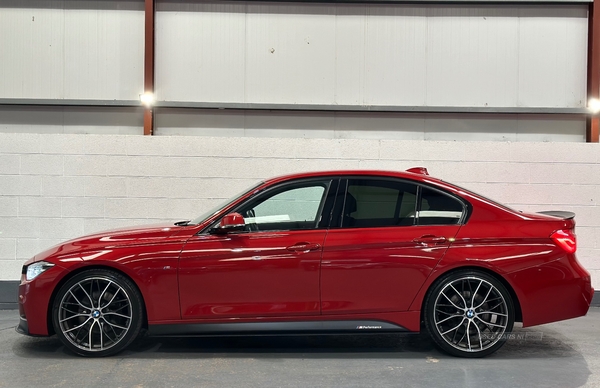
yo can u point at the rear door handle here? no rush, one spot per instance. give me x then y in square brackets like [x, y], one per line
[430, 239]
[303, 247]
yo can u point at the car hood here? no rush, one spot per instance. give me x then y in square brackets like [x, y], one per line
[139, 235]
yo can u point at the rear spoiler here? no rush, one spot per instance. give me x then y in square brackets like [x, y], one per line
[559, 214]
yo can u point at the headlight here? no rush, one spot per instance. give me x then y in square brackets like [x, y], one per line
[36, 269]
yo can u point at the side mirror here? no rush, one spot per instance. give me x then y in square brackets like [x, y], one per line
[232, 222]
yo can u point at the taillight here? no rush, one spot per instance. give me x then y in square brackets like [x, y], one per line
[565, 239]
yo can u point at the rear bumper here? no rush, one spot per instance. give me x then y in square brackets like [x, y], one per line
[555, 291]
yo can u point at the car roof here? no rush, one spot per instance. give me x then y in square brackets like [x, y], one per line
[421, 177]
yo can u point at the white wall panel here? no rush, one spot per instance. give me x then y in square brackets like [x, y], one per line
[32, 52]
[550, 129]
[372, 125]
[104, 52]
[200, 51]
[81, 120]
[407, 55]
[473, 57]
[395, 55]
[553, 56]
[71, 49]
[290, 55]
[350, 59]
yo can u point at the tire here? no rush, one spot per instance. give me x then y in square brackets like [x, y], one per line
[469, 313]
[97, 313]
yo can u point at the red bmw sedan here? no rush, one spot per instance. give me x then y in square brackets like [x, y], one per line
[324, 252]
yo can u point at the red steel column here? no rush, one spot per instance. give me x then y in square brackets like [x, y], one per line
[593, 122]
[149, 63]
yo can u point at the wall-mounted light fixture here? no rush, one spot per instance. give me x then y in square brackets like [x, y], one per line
[148, 99]
[594, 105]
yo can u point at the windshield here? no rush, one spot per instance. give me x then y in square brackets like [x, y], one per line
[223, 204]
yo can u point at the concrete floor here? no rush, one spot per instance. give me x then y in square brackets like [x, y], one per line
[563, 354]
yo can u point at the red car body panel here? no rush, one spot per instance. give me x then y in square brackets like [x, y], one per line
[371, 270]
[377, 274]
[246, 275]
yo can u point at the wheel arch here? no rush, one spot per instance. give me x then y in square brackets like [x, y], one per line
[497, 276]
[78, 271]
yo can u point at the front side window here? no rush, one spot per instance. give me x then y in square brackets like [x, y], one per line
[293, 207]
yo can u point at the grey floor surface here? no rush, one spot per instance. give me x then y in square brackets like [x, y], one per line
[563, 354]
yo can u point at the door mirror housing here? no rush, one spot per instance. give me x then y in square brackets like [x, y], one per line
[232, 222]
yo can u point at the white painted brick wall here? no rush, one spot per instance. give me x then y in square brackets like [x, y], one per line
[39, 207]
[57, 186]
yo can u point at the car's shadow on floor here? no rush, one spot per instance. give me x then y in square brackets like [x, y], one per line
[526, 343]
[305, 346]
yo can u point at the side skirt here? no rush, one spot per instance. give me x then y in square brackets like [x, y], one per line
[274, 328]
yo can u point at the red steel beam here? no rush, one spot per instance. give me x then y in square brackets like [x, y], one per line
[149, 14]
[593, 122]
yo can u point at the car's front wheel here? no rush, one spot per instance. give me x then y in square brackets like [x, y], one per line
[469, 313]
[97, 313]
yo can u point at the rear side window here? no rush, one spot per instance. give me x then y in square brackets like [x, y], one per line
[437, 208]
[377, 203]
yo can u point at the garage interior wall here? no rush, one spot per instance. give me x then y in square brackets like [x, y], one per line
[70, 170]
[71, 49]
[403, 55]
[413, 57]
[59, 186]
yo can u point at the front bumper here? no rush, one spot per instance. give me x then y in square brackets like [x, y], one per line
[34, 303]
[23, 327]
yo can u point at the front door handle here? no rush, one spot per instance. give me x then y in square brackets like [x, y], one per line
[430, 239]
[303, 247]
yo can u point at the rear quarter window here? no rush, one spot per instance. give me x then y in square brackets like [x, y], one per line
[437, 208]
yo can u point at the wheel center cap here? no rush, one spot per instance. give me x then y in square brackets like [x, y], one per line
[470, 313]
[95, 314]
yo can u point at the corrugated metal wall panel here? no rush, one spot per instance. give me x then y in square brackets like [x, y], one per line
[374, 125]
[555, 75]
[72, 49]
[294, 124]
[71, 119]
[290, 55]
[32, 53]
[473, 57]
[104, 53]
[395, 55]
[200, 51]
[350, 59]
[408, 55]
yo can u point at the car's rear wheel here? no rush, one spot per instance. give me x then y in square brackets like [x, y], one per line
[97, 313]
[469, 313]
